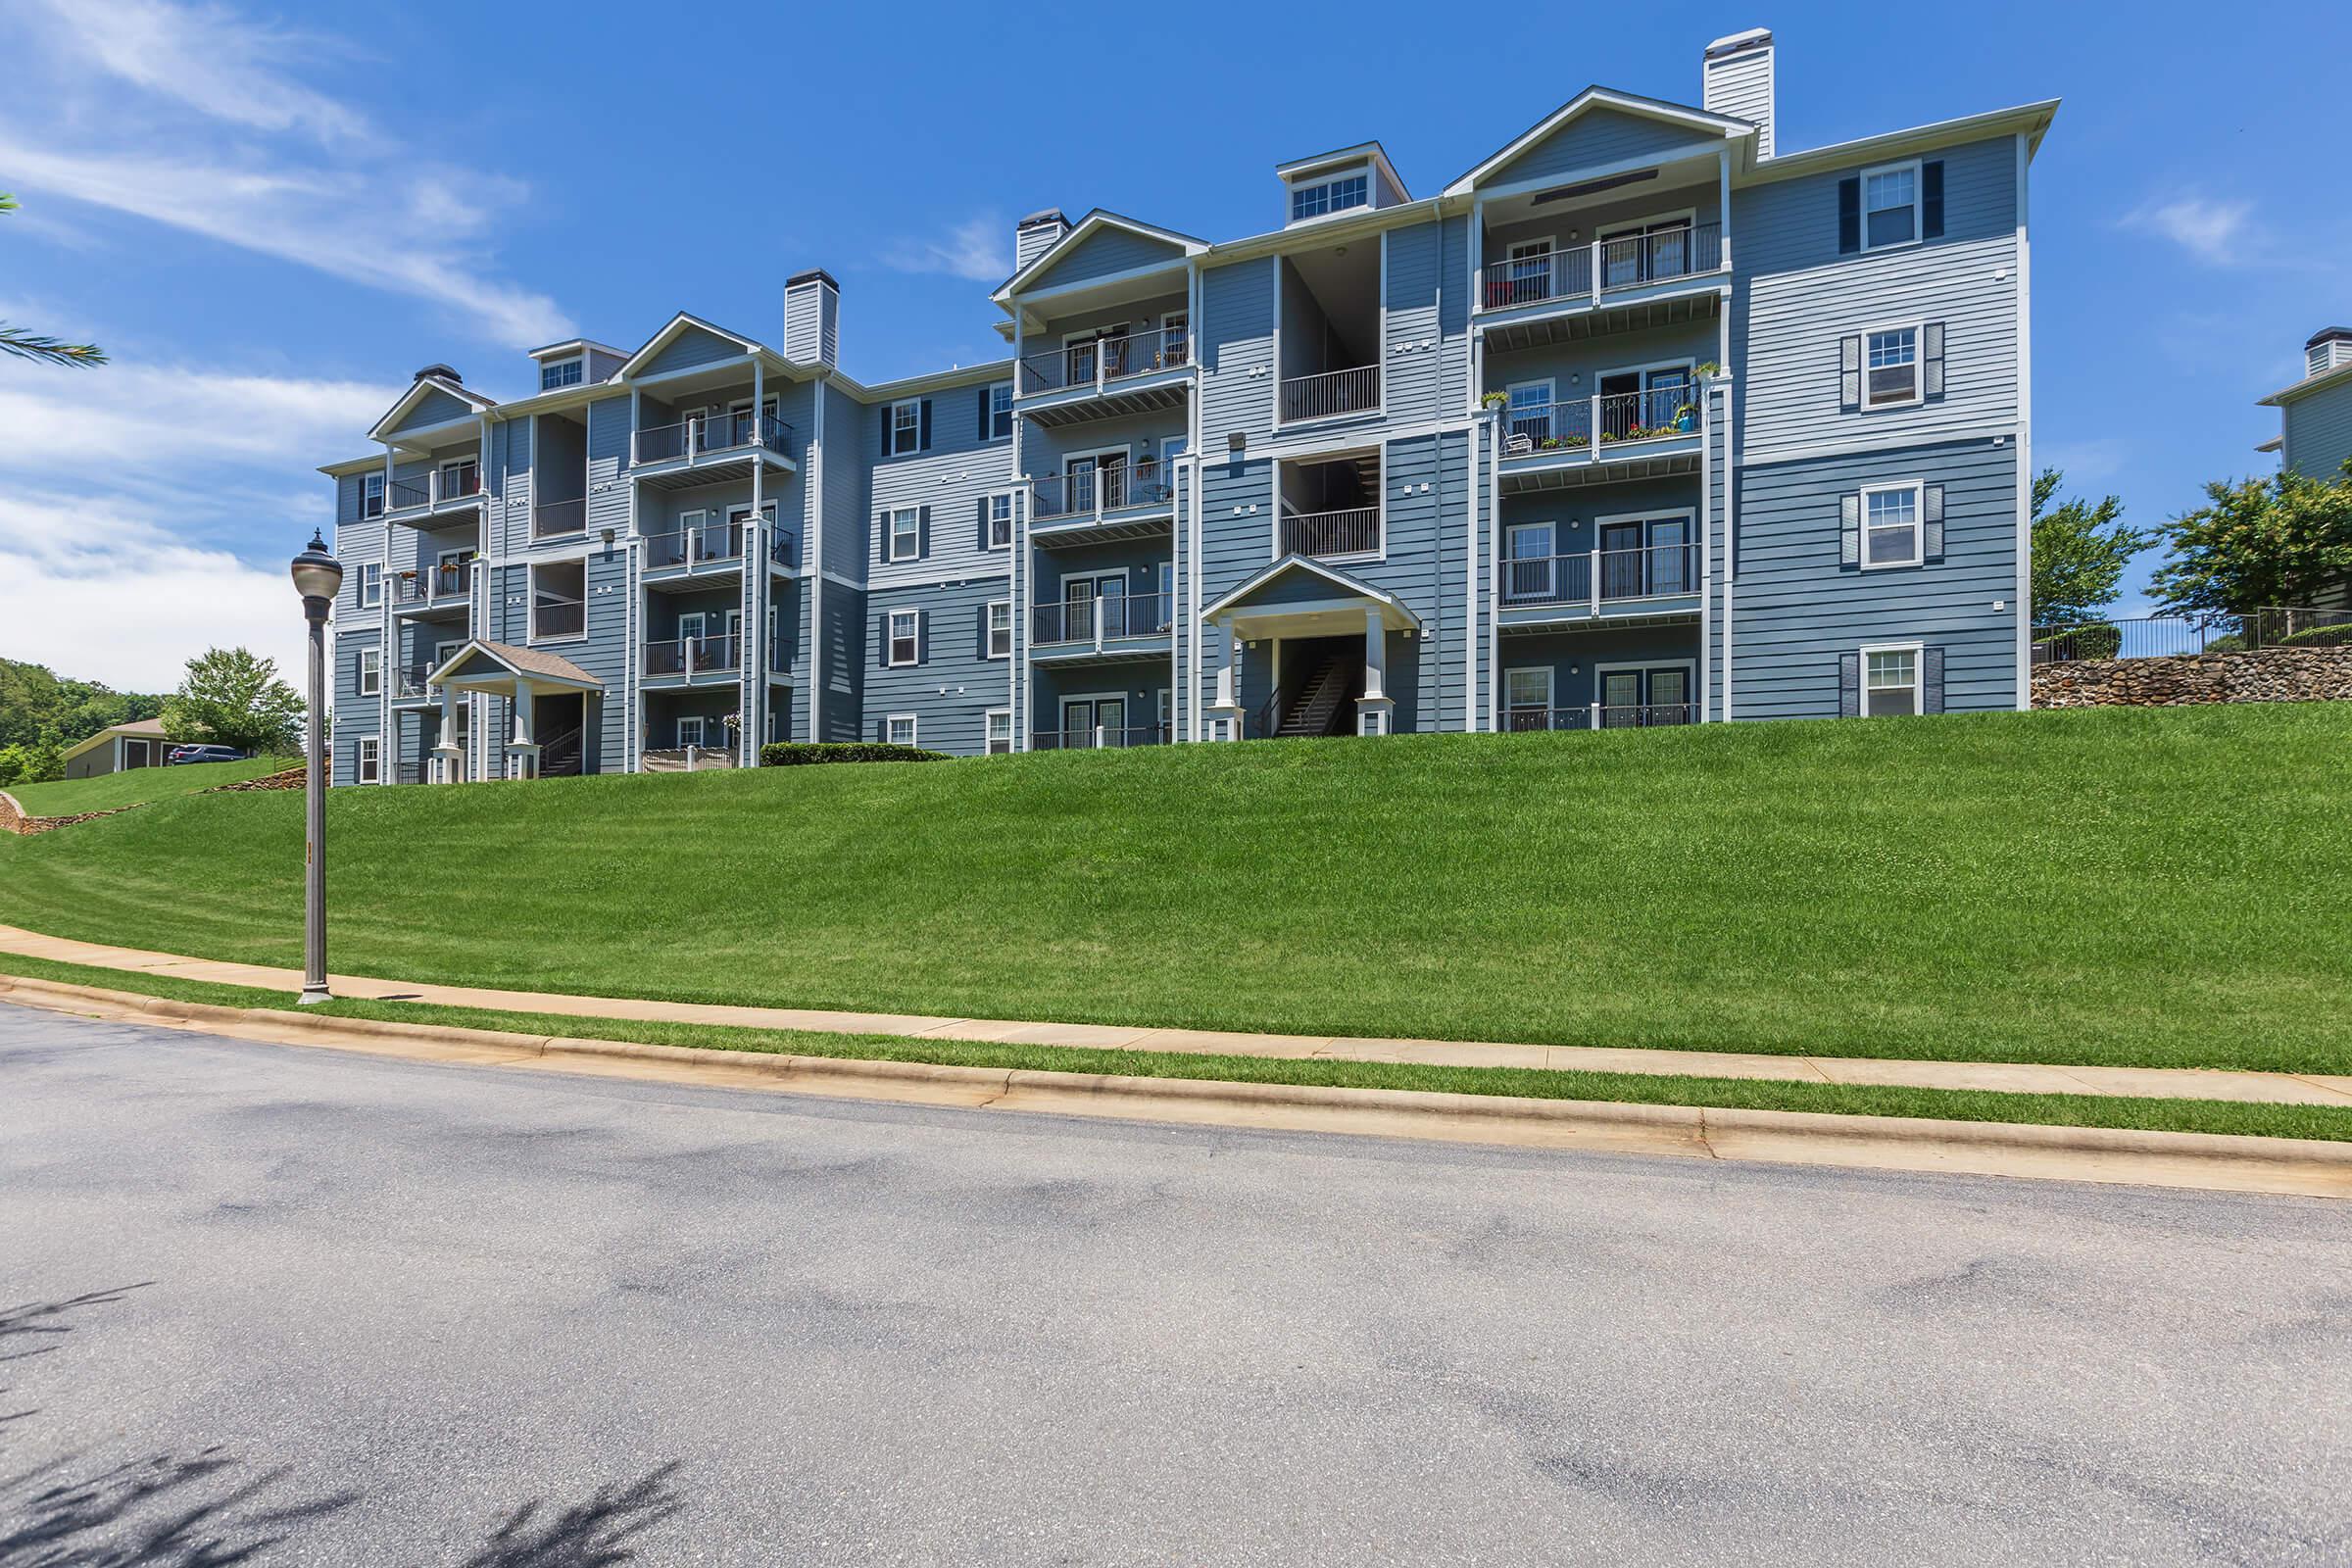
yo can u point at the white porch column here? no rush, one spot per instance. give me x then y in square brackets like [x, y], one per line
[446, 753]
[1373, 711]
[523, 753]
[1226, 709]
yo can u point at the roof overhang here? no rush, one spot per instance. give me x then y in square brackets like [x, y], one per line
[1699, 121]
[2338, 376]
[488, 666]
[1187, 245]
[1339, 604]
[575, 345]
[2031, 120]
[382, 429]
[138, 729]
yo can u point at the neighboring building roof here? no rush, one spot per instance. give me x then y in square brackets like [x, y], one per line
[139, 729]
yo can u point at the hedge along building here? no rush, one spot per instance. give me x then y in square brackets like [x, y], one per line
[1640, 420]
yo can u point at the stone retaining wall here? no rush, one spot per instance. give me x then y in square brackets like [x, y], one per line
[2256, 675]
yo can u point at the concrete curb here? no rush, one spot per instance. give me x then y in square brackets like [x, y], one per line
[2308, 1168]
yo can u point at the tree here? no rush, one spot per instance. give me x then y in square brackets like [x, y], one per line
[2080, 551]
[31, 764]
[32, 345]
[2285, 540]
[233, 696]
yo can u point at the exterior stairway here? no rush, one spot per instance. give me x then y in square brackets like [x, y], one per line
[559, 755]
[1323, 698]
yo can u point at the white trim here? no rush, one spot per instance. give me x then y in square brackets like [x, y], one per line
[1187, 247]
[890, 534]
[368, 759]
[530, 599]
[1918, 491]
[1011, 498]
[369, 673]
[890, 637]
[1380, 502]
[890, 426]
[988, 746]
[987, 628]
[671, 328]
[1600, 97]
[1919, 205]
[1919, 366]
[1549, 686]
[1012, 418]
[1919, 675]
[1618, 666]
[2022, 605]
[889, 723]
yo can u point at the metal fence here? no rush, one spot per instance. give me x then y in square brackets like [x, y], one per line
[2172, 636]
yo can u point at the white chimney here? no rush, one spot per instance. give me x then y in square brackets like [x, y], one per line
[1037, 234]
[813, 319]
[1737, 80]
[2328, 349]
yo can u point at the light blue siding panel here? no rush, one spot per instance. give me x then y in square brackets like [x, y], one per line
[1104, 252]
[949, 478]
[1236, 350]
[608, 459]
[955, 683]
[1410, 359]
[690, 348]
[853, 433]
[2318, 432]
[1600, 137]
[436, 407]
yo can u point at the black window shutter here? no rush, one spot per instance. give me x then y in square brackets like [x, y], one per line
[1849, 373]
[890, 422]
[922, 532]
[881, 536]
[1849, 529]
[922, 636]
[1850, 685]
[925, 442]
[1931, 681]
[1930, 199]
[984, 539]
[1849, 214]
[1930, 356]
[883, 621]
[982, 426]
[1930, 523]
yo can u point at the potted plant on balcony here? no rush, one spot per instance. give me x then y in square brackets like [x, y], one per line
[1574, 442]
[1686, 419]
[1496, 400]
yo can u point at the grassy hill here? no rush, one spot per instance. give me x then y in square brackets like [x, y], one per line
[2158, 886]
[137, 785]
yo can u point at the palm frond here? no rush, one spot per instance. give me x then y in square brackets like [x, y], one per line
[26, 345]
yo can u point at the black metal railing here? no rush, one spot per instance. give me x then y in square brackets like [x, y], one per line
[551, 520]
[1654, 413]
[1105, 488]
[1102, 617]
[2174, 636]
[1102, 737]
[692, 655]
[1626, 260]
[707, 434]
[1354, 531]
[1099, 361]
[1328, 394]
[1525, 720]
[559, 617]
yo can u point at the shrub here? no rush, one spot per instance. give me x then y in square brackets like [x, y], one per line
[794, 753]
[2092, 640]
[2340, 636]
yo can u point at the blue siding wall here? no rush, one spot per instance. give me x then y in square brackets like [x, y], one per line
[2318, 432]
[1236, 350]
[691, 347]
[1602, 137]
[953, 682]
[1104, 252]
[436, 407]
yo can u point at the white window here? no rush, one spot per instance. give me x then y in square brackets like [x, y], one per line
[1890, 206]
[999, 731]
[1527, 699]
[907, 426]
[1173, 336]
[372, 583]
[690, 731]
[999, 413]
[1000, 629]
[1889, 681]
[363, 759]
[1892, 372]
[371, 672]
[1530, 414]
[563, 372]
[371, 494]
[906, 533]
[1000, 521]
[1890, 533]
[899, 729]
[1331, 196]
[906, 636]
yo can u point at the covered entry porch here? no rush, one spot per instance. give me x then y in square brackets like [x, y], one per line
[556, 707]
[1311, 650]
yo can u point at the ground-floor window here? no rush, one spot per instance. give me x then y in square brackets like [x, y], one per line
[999, 731]
[690, 731]
[1635, 694]
[1527, 699]
[1889, 681]
[364, 759]
[899, 729]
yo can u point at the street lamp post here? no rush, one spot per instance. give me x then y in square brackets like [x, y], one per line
[318, 577]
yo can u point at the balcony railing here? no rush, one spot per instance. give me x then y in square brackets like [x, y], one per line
[1656, 413]
[693, 656]
[559, 617]
[1088, 493]
[551, 520]
[1352, 532]
[409, 681]
[1331, 393]
[1627, 262]
[705, 435]
[1649, 571]
[433, 489]
[1599, 715]
[429, 585]
[1100, 361]
[1101, 737]
[1099, 620]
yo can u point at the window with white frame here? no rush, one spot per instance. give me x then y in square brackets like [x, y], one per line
[1000, 521]
[905, 426]
[362, 759]
[371, 494]
[1530, 414]
[371, 672]
[1890, 206]
[1891, 374]
[899, 729]
[1889, 681]
[371, 584]
[1527, 697]
[1174, 335]
[1331, 196]
[1000, 412]
[906, 636]
[1000, 629]
[1890, 533]
[999, 731]
[690, 730]
[563, 372]
[906, 533]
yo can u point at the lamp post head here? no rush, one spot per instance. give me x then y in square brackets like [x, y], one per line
[317, 577]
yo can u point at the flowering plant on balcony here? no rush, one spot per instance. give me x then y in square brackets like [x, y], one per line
[1496, 400]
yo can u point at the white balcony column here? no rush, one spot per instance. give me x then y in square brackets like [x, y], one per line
[1226, 709]
[523, 753]
[446, 753]
[1592, 285]
[1593, 581]
[1375, 712]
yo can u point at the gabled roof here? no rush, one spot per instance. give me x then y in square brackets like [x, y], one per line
[2336, 376]
[144, 729]
[1392, 610]
[1099, 219]
[1699, 120]
[678, 323]
[416, 394]
[574, 345]
[535, 666]
[1371, 151]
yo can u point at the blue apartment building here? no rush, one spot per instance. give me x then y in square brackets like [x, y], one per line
[1643, 419]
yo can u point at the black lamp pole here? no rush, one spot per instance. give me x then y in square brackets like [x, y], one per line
[318, 577]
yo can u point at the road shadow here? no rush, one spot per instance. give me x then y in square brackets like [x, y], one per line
[599, 1533]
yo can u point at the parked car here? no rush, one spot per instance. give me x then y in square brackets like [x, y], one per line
[203, 754]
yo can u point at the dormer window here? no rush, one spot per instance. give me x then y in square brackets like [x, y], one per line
[560, 373]
[1331, 196]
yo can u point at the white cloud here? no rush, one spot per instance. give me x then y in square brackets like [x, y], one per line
[2220, 233]
[210, 60]
[126, 418]
[978, 250]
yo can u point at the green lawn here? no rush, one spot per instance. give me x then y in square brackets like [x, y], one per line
[2153, 885]
[2230, 1117]
[138, 785]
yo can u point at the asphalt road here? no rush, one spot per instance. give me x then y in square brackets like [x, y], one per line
[269, 1305]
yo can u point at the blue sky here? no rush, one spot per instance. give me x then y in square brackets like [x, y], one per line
[271, 217]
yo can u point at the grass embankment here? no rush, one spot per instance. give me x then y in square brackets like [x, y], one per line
[137, 786]
[2158, 886]
[2059, 1110]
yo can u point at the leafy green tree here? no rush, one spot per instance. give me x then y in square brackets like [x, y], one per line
[32, 345]
[233, 696]
[31, 764]
[39, 708]
[2080, 553]
[2285, 540]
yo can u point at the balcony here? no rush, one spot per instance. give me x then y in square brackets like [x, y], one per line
[1331, 394]
[713, 545]
[1099, 738]
[1355, 531]
[559, 617]
[1116, 501]
[408, 683]
[456, 487]
[1599, 715]
[1648, 434]
[1632, 580]
[689, 657]
[449, 586]
[1103, 377]
[1634, 262]
[1095, 621]
[554, 520]
[687, 446]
